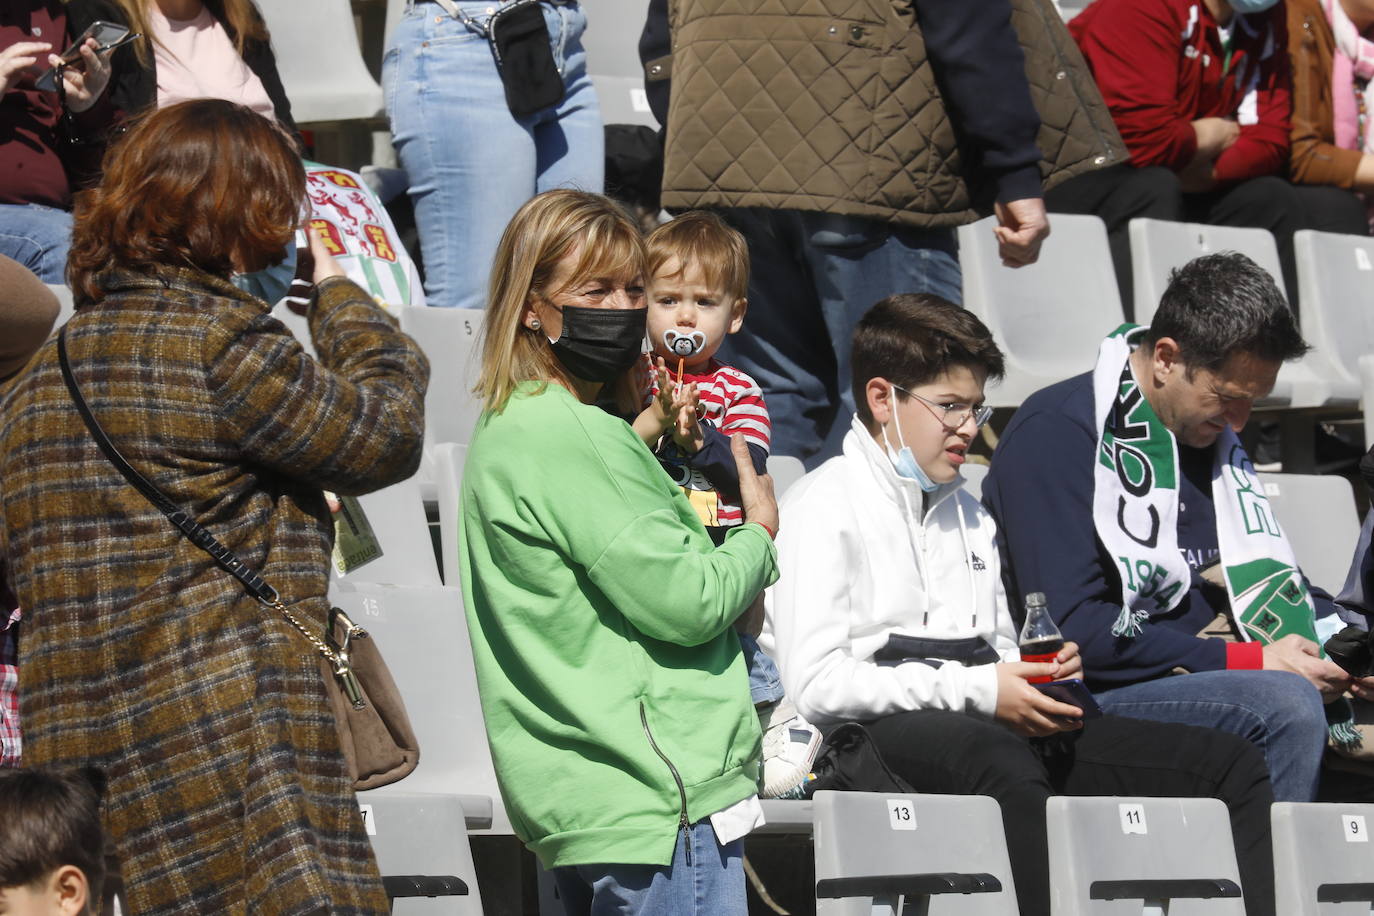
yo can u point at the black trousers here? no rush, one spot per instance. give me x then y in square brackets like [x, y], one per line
[943, 752]
[1121, 193]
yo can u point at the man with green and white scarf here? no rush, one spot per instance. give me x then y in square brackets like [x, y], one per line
[1125, 495]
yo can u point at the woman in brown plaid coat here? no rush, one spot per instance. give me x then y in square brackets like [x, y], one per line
[227, 791]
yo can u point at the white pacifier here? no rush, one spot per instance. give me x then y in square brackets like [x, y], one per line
[684, 345]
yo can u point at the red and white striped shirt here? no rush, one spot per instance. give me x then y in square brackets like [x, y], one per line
[732, 402]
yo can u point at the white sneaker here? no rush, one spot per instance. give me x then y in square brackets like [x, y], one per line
[790, 744]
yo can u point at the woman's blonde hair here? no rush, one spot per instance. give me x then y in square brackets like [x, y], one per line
[241, 20]
[544, 231]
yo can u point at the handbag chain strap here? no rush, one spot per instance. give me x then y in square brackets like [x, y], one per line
[255, 585]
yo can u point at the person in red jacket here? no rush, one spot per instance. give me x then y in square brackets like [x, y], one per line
[1201, 93]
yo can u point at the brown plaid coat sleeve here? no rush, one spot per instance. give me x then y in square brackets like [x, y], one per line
[227, 793]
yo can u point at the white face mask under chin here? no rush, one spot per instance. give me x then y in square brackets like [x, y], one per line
[903, 461]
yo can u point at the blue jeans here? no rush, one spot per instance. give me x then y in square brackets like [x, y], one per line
[705, 879]
[471, 163]
[812, 277]
[765, 683]
[1277, 711]
[37, 237]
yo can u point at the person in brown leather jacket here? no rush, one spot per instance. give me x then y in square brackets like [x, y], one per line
[1329, 146]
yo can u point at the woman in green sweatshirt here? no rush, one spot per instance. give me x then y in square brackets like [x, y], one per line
[614, 692]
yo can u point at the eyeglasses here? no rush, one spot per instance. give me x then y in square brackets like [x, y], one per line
[953, 416]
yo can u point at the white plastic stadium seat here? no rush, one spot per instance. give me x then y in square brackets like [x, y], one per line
[1336, 288]
[64, 302]
[423, 634]
[946, 854]
[1318, 516]
[320, 60]
[612, 43]
[1141, 855]
[394, 10]
[1159, 246]
[448, 479]
[785, 471]
[1323, 859]
[423, 835]
[1049, 317]
[449, 338]
[419, 826]
[974, 475]
[396, 517]
[1071, 8]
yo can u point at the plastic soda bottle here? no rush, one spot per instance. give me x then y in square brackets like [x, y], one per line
[1040, 639]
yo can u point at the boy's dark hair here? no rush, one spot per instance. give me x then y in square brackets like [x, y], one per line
[1219, 305]
[911, 338]
[702, 238]
[48, 820]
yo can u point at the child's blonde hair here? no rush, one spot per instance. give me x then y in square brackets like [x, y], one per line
[702, 238]
[545, 230]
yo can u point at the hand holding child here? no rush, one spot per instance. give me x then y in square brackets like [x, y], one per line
[755, 490]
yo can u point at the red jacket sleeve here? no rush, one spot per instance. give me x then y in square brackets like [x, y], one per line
[1133, 51]
[1262, 148]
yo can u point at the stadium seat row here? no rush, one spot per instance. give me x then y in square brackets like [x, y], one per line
[1051, 316]
[1107, 856]
[401, 599]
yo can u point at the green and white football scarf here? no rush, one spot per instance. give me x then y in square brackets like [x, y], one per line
[1135, 511]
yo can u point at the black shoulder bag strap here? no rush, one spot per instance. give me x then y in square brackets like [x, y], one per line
[188, 526]
[192, 529]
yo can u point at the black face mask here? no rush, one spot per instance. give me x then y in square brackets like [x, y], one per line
[598, 345]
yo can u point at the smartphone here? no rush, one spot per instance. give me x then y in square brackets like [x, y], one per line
[1073, 692]
[107, 35]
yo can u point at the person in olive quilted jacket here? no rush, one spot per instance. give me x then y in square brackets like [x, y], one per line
[847, 139]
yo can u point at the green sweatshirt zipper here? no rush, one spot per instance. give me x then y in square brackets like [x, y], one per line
[682, 821]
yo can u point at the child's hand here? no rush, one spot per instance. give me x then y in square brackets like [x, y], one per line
[661, 415]
[664, 403]
[686, 430]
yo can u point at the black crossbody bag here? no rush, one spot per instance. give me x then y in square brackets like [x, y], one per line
[375, 735]
[520, 43]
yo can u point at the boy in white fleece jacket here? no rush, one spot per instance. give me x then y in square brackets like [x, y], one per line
[890, 611]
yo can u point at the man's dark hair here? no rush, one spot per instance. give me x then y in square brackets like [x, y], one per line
[1219, 305]
[50, 819]
[913, 338]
